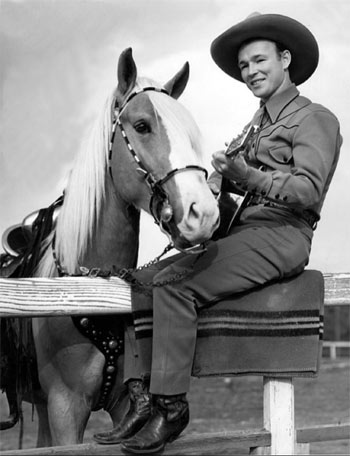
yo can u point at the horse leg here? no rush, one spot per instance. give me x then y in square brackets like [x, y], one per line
[68, 414]
[70, 374]
[44, 438]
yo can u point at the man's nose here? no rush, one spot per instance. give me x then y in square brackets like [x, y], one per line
[252, 68]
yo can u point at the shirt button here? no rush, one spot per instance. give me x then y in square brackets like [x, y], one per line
[285, 198]
[263, 192]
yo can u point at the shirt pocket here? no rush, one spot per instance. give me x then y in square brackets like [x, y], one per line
[282, 155]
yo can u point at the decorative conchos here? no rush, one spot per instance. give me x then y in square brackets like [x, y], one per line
[107, 335]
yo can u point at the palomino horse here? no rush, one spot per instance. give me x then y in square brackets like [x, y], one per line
[143, 154]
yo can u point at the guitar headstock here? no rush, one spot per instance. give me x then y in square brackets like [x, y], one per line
[241, 142]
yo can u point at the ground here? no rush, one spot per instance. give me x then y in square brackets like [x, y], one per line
[218, 404]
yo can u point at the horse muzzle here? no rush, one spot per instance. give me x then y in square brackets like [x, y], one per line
[178, 239]
[188, 222]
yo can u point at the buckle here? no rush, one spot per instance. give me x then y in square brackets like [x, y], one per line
[93, 272]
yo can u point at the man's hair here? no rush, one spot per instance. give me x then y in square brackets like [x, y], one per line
[279, 46]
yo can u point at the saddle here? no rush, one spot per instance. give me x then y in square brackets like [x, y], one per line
[17, 238]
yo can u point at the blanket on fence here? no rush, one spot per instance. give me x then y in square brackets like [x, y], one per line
[275, 330]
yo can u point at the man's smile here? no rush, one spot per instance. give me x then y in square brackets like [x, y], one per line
[257, 82]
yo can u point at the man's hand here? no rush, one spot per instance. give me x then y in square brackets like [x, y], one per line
[215, 182]
[235, 169]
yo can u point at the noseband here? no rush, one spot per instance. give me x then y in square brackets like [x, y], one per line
[160, 207]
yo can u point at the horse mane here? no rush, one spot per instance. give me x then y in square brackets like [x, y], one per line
[85, 190]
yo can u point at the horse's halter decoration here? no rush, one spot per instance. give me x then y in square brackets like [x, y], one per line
[160, 207]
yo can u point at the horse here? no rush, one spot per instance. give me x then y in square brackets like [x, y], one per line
[144, 153]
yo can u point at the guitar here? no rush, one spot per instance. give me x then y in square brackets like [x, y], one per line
[231, 199]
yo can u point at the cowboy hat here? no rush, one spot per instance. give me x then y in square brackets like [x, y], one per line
[288, 32]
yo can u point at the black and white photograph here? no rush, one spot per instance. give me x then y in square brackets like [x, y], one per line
[174, 225]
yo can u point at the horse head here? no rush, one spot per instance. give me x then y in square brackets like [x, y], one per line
[155, 156]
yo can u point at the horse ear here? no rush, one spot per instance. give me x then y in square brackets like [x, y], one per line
[127, 74]
[177, 84]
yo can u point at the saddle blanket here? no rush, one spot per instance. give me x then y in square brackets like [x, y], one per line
[275, 331]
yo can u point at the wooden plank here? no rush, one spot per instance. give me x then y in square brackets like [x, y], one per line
[337, 288]
[190, 444]
[302, 448]
[63, 296]
[200, 444]
[82, 295]
[279, 414]
[333, 345]
[324, 433]
[337, 343]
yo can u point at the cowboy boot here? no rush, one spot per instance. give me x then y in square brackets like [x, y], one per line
[137, 415]
[170, 416]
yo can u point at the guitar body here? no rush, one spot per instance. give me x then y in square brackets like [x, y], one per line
[231, 202]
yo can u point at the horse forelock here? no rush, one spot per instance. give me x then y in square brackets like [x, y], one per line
[177, 119]
[182, 130]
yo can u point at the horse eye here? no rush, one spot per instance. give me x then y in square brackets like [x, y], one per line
[142, 127]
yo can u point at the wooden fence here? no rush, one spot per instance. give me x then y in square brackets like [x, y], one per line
[79, 296]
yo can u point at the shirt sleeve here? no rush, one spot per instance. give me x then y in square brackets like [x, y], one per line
[315, 147]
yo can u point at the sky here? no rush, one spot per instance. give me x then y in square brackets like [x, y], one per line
[58, 61]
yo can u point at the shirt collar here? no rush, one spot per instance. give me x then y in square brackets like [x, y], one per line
[275, 105]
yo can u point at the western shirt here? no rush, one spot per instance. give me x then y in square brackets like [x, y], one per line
[294, 155]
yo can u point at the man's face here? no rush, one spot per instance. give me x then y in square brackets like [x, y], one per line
[263, 67]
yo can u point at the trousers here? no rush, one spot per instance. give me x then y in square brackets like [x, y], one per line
[268, 244]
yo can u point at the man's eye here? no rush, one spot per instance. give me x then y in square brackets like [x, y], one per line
[142, 127]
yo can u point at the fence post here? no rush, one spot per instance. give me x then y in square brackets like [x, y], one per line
[279, 414]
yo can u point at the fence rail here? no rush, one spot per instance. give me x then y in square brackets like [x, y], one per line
[203, 443]
[77, 296]
[81, 295]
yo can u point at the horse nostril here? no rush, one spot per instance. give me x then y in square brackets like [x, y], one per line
[194, 212]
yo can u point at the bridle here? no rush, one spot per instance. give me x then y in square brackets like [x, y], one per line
[160, 207]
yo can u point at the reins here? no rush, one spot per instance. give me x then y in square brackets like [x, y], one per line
[126, 274]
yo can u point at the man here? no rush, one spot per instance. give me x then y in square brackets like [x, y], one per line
[286, 169]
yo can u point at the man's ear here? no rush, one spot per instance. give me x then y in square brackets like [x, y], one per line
[286, 57]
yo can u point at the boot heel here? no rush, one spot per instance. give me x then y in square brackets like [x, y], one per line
[176, 434]
[174, 437]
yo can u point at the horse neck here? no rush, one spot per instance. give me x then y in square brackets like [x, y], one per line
[115, 240]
